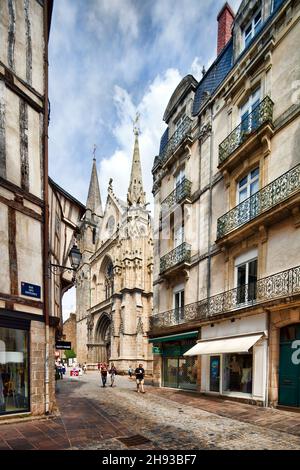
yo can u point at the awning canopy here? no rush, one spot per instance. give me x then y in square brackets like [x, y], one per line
[178, 337]
[224, 345]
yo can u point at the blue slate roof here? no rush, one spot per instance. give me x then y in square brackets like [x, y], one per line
[164, 140]
[223, 64]
[218, 71]
[214, 76]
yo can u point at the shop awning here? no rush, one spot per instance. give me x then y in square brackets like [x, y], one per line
[224, 345]
[161, 339]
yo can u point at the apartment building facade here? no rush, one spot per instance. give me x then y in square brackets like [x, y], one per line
[227, 197]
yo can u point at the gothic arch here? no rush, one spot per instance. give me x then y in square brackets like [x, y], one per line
[102, 338]
[106, 278]
[94, 290]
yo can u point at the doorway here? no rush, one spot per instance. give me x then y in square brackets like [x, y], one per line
[289, 366]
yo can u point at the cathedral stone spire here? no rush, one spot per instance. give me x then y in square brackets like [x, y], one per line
[136, 193]
[94, 199]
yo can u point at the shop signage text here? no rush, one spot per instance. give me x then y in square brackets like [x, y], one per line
[63, 345]
[31, 290]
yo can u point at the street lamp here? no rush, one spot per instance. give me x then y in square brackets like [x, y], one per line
[74, 257]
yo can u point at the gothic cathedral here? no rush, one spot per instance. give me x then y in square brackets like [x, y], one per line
[114, 280]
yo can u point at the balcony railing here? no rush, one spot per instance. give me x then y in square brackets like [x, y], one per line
[274, 193]
[176, 138]
[279, 285]
[261, 114]
[180, 254]
[181, 191]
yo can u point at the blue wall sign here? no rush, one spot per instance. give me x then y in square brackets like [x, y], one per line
[31, 290]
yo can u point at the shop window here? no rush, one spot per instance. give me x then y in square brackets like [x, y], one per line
[179, 371]
[214, 374]
[237, 373]
[14, 387]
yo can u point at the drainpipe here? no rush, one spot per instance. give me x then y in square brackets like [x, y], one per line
[210, 206]
[199, 231]
[268, 359]
[46, 211]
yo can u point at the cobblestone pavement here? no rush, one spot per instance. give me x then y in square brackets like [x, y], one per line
[92, 417]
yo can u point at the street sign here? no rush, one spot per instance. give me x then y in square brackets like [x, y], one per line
[31, 290]
[63, 345]
[156, 350]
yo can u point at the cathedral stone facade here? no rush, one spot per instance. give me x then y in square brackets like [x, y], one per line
[114, 280]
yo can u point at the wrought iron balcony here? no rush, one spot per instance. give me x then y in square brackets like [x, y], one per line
[279, 285]
[182, 191]
[180, 254]
[261, 114]
[269, 196]
[175, 140]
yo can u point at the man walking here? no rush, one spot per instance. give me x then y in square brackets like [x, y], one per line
[113, 373]
[139, 375]
[103, 371]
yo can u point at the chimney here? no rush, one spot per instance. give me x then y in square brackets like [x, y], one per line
[225, 19]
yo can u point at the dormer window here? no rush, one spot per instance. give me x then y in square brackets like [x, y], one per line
[252, 28]
[179, 122]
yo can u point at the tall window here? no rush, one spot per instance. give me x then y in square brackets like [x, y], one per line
[248, 185]
[178, 235]
[178, 183]
[179, 305]
[109, 281]
[252, 27]
[249, 113]
[179, 122]
[246, 275]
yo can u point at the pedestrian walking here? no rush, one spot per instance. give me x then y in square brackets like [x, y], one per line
[139, 375]
[113, 373]
[103, 372]
[130, 372]
[84, 368]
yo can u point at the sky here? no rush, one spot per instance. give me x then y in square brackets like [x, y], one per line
[109, 59]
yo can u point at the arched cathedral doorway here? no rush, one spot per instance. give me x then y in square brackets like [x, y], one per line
[102, 338]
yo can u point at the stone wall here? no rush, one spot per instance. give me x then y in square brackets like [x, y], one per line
[69, 331]
[37, 368]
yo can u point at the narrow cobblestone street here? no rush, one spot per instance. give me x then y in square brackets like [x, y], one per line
[92, 417]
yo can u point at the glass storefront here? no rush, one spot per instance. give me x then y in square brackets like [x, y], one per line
[237, 372]
[179, 371]
[14, 371]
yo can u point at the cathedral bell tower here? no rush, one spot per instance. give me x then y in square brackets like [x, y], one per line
[89, 228]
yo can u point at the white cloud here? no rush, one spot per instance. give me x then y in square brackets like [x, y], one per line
[69, 303]
[151, 108]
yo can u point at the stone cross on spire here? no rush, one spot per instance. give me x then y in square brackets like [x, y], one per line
[94, 199]
[136, 193]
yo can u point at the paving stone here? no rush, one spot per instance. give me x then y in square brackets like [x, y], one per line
[93, 418]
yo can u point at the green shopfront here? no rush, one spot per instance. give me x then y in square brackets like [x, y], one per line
[178, 371]
[289, 366]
